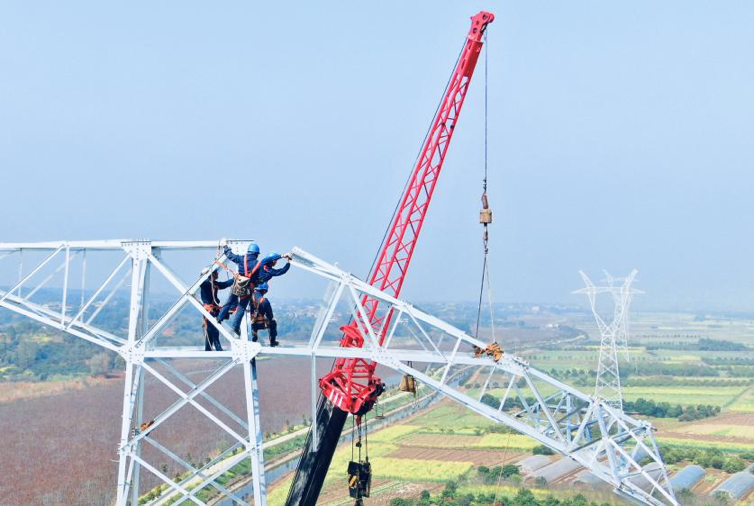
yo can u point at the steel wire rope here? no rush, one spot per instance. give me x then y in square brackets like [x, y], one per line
[485, 237]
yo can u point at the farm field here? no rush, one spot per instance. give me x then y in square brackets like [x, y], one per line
[68, 439]
[446, 442]
[717, 396]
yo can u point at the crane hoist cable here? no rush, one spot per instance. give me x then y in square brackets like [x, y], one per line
[485, 215]
[359, 470]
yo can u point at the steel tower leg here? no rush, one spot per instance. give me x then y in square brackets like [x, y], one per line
[143, 326]
[139, 254]
[254, 447]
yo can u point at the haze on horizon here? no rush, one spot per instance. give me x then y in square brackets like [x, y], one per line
[620, 137]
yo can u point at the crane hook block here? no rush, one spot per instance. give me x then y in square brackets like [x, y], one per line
[359, 479]
[493, 350]
[485, 216]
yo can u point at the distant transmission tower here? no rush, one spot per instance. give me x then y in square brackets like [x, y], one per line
[614, 335]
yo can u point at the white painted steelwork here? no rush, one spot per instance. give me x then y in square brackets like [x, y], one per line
[613, 336]
[584, 428]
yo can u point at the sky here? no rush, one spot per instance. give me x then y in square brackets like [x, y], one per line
[620, 136]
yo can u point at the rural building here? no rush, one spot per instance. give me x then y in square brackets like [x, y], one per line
[531, 464]
[687, 477]
[736, 486]
[555, 471]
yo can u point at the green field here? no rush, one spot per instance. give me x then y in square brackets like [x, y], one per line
[702, 444]
[717, 396]
[458, 419]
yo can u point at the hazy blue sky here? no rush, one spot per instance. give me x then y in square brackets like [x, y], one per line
[620, 135]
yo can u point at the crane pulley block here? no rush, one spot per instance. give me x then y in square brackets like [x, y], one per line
[359, 478]
[485, 216]
[408, 384]
[493, 350]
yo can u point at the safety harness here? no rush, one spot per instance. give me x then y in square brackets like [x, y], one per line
[242, 285]
[258, 317]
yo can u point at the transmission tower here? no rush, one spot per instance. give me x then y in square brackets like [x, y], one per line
[612, 445]
[613, 335]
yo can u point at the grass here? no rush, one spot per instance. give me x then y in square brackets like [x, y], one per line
[504, 441]
[393, 433]
[725, 430]
[744, 403]
[704, 445]
[418, 469]
[502, 490]
[717, 396]
[456, 418]
[432, 440]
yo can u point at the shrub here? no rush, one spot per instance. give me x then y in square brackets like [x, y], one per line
[734, 465]
[717, 462]
[540, 482]
[509, 470]
[397, 501]
[542, 450]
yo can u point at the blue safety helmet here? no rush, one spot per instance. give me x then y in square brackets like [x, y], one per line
[262, 287]
[271, 258]
[253, 248]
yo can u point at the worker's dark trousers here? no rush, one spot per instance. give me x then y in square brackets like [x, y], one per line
[272, 327]
[225, 311]
[235, 321]
[211, 337]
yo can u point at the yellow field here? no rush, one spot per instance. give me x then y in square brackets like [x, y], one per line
[710, 429]
[418, 470]
[390, 434]
[745, 403]
[440, 440]
[502, 441]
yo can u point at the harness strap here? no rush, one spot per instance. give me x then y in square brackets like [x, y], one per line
[211, 307]
[246, 267]
[257, 316]
[224, 266]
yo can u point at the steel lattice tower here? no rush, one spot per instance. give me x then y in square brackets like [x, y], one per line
[613, 335]
[587, 429]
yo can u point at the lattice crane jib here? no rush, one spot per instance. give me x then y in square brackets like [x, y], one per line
[351, 384]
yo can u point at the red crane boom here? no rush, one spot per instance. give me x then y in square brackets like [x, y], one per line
[351, 385]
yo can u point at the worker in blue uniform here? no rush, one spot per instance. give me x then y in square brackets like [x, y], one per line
[251, 272]
[246, 264]
[268, 271]
[262, 316]
[208, 291]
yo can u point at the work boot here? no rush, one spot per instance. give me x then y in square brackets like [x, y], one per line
[274, 342]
